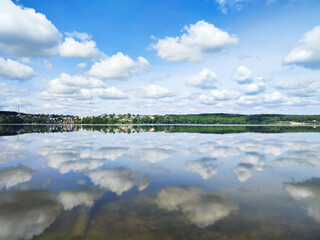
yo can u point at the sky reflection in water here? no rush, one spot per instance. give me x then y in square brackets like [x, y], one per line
[92, 185]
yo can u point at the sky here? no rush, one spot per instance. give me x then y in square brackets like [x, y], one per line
[158, 57]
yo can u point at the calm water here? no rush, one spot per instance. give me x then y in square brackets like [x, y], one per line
[159, 183]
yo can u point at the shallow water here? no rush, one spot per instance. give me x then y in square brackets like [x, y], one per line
[159, 183]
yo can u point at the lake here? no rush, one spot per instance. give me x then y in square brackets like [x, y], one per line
[159, 182]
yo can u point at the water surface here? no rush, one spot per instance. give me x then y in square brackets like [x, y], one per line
[159, 182]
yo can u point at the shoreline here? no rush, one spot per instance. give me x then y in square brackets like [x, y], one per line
[160, 124]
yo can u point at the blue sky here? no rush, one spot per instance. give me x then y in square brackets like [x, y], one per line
[157, 57]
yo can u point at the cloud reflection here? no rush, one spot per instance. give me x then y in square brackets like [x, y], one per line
[304, 158]
[24, 214]
[83, 196]
[154, 154]
[205, 167]
[118, 180]
[202, 209]
[79, 158]
[12, 176]
[307, 194]
[251, 161]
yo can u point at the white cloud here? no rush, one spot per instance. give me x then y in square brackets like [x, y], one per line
[205, 167]
[300, 88]
[118, 180]
[154, 154]
[26, 214]
[225, 5]
[199, 39]
[16, 101]
[47, 64]
[253, 88]
[118, 66]
[109, 93]
[14, 70]
[82, 36]
[85, 48]
[267, 99]
[202, 209]
[23, 32]
[154, 91]
[204, 79]
[217, 95]
[74, 81]
[79, 87]
[12, 176]
[243, 75]
[249, 85]
[82, 196]
[7, 90]
[81, 65]
[307, 52]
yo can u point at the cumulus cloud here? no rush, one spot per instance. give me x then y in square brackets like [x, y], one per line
[25, 214]
[253, 88]
[118, 66]
[118, 180]
[307, 51]
[24, 32]
[108, 93]
[8, 90]
[12, 176]
[14, 70]
[299, 88]
[243, 75]
[204, 79]
[79, 87]
[202, 209]
[154, 154]
[307, 194]
[217, 95]
[85, 48]
[17, 101]
[154, 91]
[82, 196]
[198, 39]
[205, 167]
[271, 98]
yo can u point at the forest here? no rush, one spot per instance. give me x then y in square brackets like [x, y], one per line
[209, 118]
